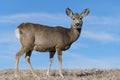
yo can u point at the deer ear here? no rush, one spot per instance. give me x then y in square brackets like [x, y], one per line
[85, 12]
[69, 12]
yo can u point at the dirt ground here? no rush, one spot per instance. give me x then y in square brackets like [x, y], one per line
[74, 74]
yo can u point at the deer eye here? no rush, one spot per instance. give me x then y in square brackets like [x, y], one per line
[73, 18]
[80, 18]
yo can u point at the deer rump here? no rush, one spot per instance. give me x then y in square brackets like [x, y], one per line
[43, 38]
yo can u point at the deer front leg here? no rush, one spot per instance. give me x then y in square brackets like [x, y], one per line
[51, 55]
[59, 53]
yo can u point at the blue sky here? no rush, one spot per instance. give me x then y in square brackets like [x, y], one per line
[97, 47]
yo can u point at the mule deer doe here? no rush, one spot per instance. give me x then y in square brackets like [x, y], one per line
[48, 39]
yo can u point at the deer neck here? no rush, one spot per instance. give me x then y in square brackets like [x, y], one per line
[74, 33]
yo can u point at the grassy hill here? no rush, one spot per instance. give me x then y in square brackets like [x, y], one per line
[75, 74]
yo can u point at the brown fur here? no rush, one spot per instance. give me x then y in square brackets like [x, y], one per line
[44, 38]
[48, 39]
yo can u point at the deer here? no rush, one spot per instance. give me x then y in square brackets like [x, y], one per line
[43, 38]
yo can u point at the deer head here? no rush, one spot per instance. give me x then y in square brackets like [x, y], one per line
[77, 17]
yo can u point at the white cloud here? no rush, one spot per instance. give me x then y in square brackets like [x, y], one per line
[101, 36]
[8, 37]
[103, 20]
[83, 61]
[43, 18]
[57, 18]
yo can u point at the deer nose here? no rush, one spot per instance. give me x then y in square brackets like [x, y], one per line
[77, 24]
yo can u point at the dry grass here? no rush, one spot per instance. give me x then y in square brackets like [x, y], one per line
[78, 74]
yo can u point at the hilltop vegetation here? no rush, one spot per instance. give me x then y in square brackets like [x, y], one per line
[76, 74]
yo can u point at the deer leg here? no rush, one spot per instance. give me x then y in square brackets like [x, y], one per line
[17, 57]
[51, 55]
[59, 53]
[27, 57]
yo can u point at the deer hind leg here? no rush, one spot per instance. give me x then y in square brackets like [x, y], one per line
[17, 57]
[51, 55]
[59, 53]
[27, 57]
